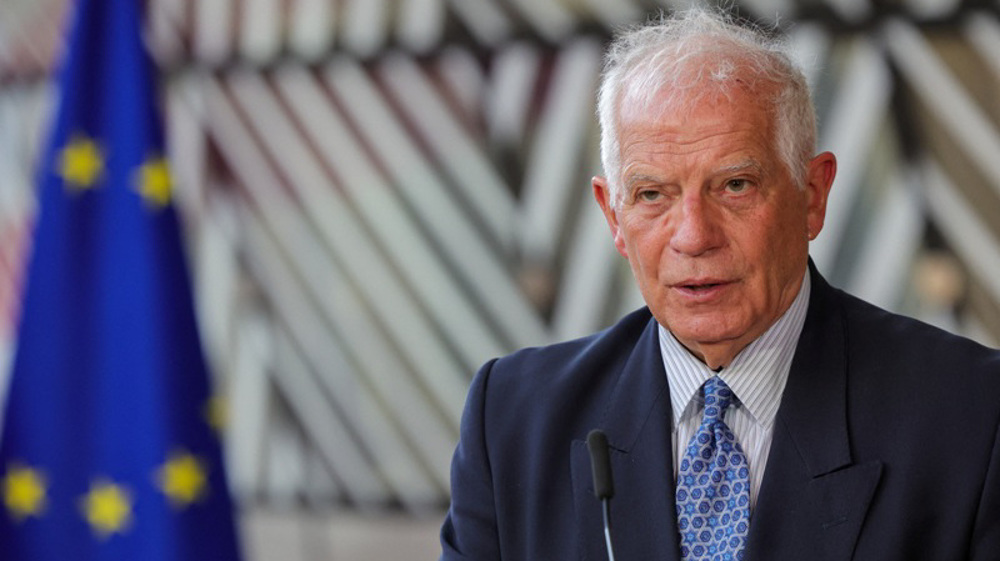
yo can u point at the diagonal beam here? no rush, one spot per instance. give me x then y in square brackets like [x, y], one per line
[552, 179]
[983, 32]
[487, 22]
[166, 18]
[366, 26]
[312, 28]
[852, 11]
[383, 290]
[460, 154]
[435, 206]
[860, 104]
[309, 261]
[464, 80]
[420, 24]
[612, 13]
[284, 460]
[881, 273]
[944, 96]
[383, 411]
[249, 390]
[213, 31]
[932, 9]
[588, 278]
[507, 105]
[811, 44]
[261, 29]
[377, 206]
[962, 227]
[364, 423]
[549, 18]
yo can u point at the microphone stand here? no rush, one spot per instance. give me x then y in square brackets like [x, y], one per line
[606, 508]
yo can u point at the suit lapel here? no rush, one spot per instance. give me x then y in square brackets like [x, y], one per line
[813, 499]
[637, 423]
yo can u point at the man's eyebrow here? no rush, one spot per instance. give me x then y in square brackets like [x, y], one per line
[750, 164]
[638, 178]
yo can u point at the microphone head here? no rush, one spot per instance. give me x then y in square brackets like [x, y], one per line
[600, 464]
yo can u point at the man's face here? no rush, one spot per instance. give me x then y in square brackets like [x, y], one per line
[711, 222]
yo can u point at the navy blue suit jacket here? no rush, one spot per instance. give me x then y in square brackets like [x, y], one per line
[885, 447]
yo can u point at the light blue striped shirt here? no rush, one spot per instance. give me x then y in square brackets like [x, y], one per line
[757, 377]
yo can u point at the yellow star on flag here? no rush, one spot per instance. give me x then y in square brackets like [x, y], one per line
[23, 491]
[154, 182]
[81, 163]
[182, 479]
[107, 508]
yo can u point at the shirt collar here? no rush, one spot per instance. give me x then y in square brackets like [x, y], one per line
[757, 374]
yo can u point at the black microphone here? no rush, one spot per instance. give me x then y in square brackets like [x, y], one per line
[604, 488]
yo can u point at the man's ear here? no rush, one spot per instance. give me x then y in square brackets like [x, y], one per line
[602, 192]
[819, 180]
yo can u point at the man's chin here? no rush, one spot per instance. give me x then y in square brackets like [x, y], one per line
[708, 328]
[709, 337]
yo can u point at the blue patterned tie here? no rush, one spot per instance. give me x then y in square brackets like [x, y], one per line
[713, 486]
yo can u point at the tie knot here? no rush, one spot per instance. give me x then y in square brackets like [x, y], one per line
[718, 397]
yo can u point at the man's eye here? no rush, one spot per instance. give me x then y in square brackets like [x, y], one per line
[737, 185]
[648, 195]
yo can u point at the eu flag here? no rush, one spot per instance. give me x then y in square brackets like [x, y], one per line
[107, 452]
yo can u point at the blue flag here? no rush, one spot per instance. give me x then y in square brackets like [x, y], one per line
[107, 450]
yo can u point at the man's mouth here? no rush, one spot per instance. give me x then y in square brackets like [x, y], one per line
[703, 290]
[702, 286]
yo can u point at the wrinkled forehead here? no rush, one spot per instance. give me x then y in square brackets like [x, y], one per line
[689, 107]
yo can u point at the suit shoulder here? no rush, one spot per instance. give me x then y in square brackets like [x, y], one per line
[896, 343]
[542, 380]
[565, 361]
[905, 333]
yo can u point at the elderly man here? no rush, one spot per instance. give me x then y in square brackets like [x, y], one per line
[752, 411]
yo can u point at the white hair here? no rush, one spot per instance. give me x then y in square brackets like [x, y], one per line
[680, 59]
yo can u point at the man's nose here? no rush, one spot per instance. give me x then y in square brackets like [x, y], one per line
[696, 228]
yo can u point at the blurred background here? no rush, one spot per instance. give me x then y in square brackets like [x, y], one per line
[380, 195]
